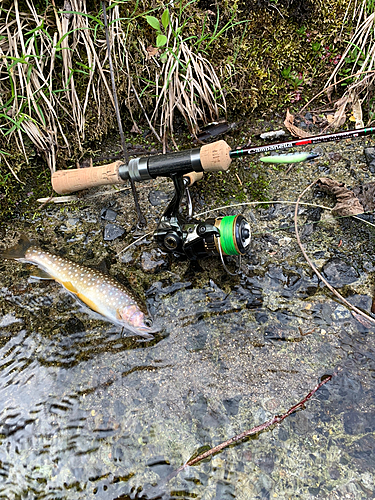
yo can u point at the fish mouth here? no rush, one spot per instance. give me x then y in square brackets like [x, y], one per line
[145, 330]
[149, 328]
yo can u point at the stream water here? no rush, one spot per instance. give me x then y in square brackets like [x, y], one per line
[86, 412]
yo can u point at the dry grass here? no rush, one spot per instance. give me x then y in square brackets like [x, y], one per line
[54, 74]
[36, 101]
[357, 65]
[186, 81]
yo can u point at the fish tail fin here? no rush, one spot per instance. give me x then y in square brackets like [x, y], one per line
[19, 250]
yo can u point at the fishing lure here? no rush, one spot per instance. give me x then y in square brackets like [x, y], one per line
[289, 158]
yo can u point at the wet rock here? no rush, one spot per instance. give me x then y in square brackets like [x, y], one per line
[266, 463]
[159, 465]
[199, 407]
[112, 231]
[314, 491]
[322, 314]
[283, 434]
[231, 405]
[225, 490]
[274, 332]
[73, 325]
[302, 425]
[370, 158]
[108, 214]
[357, 422]
[149, 391]
[341, 313]
[89, 254]
[153, 261]
[339, 273]
[334, 156]
[127, 257]
[119, 407]
[157, 197]
[334, 473]
[72, 221]
[363, 453]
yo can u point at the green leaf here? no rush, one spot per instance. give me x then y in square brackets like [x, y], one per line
[165, 18]
[152, 21]
[161, 40]
[164, 57]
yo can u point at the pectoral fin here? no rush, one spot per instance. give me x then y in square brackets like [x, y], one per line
[88, 302]
[69, 286]
[40, 274]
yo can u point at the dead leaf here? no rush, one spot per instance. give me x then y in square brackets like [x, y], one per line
[357, 111]
[135, 129]
[347, 202]
[366, 196]
[289, 124]
[151, 52]
[330, 119]
[329, 93]
[340, 117]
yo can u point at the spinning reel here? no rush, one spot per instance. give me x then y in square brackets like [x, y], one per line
[195, 239]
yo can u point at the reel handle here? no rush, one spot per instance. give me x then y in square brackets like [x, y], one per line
[209, 158]
[193, 177]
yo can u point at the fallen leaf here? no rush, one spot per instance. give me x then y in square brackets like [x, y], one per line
[347, 202]
[151, 52]
[357, 111]
[289, 124]
[135, 129]
[340, 117]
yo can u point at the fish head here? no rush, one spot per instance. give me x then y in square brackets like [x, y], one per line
[134, 319]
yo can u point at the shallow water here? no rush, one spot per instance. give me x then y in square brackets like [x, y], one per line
[87, 412]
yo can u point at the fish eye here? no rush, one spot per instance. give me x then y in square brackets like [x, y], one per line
[148, 322]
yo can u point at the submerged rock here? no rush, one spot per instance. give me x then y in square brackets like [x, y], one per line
[108, 214]
[112, 231]
[339, 273]
[154, 260]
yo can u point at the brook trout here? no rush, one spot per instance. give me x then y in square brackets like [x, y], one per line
[101, 293]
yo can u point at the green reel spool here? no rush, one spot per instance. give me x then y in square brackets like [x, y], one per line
[235, 235]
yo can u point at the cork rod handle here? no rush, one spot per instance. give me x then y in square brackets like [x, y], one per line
[215, 156]
[68, 181]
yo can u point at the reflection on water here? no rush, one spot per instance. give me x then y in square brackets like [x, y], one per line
[89, 413]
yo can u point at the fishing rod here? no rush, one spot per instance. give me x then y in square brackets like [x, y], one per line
[216, 156]
[348, 134]
[190, 238]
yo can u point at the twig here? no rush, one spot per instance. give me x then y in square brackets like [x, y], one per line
[277, 419]
[134, 242]
[141, 217]
[146, 116]
[311, 264]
